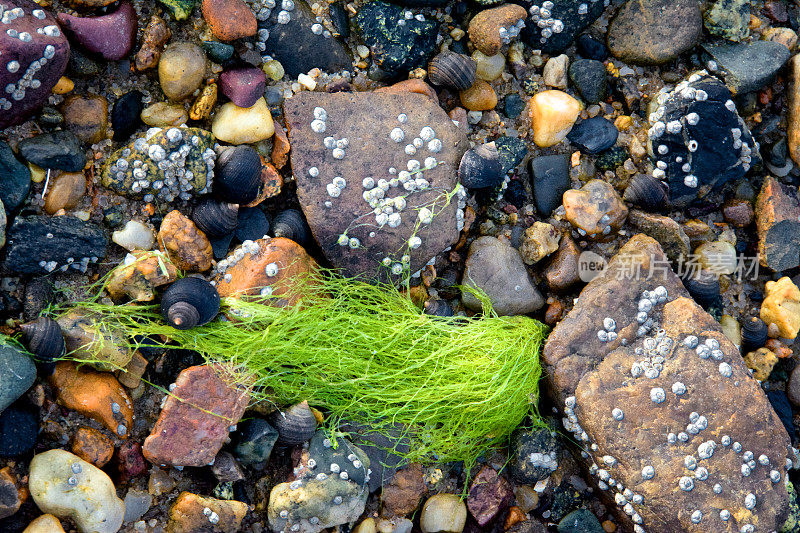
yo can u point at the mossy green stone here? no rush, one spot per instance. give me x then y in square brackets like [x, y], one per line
[181, 9]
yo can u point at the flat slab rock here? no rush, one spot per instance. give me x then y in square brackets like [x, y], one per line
[195, 420]
[668, 439]
[345, 149]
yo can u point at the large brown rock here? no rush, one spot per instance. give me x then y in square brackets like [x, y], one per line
[356, 181]
[676, 442]
[194, 422]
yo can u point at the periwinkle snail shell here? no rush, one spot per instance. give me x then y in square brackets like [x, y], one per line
[754, 334]
[238, 175]
[480, 167]
[704, 287]
[189, 302]
[296, 424]
[449, 69]
[216, 219]
[647, 192]
[290, 224]
[44, 339]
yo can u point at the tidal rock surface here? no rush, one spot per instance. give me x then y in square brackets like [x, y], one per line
[678, 433]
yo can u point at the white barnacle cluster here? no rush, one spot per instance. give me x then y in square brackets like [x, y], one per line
[79, 265]
[609, 331]
[671, 132]
[319, 123]
[336, 146]
[510, 33]
[248, 247]
[547, 461]
[16, 91]
[213, 517]
[409, 15]
[542, 16]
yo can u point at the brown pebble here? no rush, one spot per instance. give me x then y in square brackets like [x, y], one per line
[131, 375]
[201, 109]
[738, 212]
[65, 192]
[609, 526]
[515, 516]
[553, 313]
[459, 114]
[63, 86]
[410, 86]
[484, 28]
[479, 97]
[793, 387]
[155, 36]
[280, 148]
[86, 117]
[190, 513]
[92, 446]
[188, 247]
[229, 19]
[11, 497]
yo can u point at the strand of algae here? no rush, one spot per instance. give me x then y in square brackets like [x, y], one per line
[365, 353]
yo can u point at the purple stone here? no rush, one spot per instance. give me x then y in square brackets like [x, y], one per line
[244, 86]
[112, 36]
[33, 56]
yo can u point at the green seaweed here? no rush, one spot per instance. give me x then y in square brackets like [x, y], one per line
[365, 353]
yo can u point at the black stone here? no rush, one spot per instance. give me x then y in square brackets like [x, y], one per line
[427, 3]
[565, 11]
[589, 78]
[126, 115]
[218, 52]
[525, 442]
[512, 151]
[591, 48]
[81, 65]
[50, 116]
[220, 246]
[15, 179]
[255, 440]
[18, 429]
[747, 67]
[383, 448]
[39, 293]
[340, 19]
[611, 158]
[514, 105]
[780, 402]
[36, 239]
[398, 44]
[299, 49]
[550, 176]
[515, 193]
[580, 521]
[58, 150]
[253, 224]
[594, 135]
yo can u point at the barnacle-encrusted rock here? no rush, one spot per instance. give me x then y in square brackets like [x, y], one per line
[678, 432]
[380, 195]
[194, 422]
[552, 25]
[33, 56]
[698, 140]
[330, 488]
[191, 512]
[163, 164]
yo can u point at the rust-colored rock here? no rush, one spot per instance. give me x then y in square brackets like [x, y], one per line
[778, 224]
[793, 127]
[10, 495]
[229, 19]
[286, 260]
[130, 461]
[96, 395]
[201, 108]
[488, 494]
[402, 495]
[155, 36]
[138, 277]
[665, 230]
[65, 191]
[280, 148]
[92, 446]
[488, 28]
[194, 422]
[562, 272]
[626, 405]
[596, 210]
[187, 247]
[192, 513]
[414, 85]
[272, 183]
[86, 116]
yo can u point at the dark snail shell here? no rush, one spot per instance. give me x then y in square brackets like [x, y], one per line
[290, 224]
[754, 334]
[238, 175]
[436, 307]
[647, 192]
[189, 302]
[704, 287]
[450, 69]
[296, 424]
[216, 219]
[44, 339]
[480, 167]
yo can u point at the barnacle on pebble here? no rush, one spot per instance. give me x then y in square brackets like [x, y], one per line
[163, 164]
[697, 138]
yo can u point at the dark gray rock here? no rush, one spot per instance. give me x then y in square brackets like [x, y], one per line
[58, 150]
[19, 427]
[17, 373]
[514, 105]
[580, 521]
[15, 179]
[534, 454]
[550, 176]
[590, 48]
[594, 135]
[589, 78]
[512, 151]
[126, 115]
[566, 15]
[256, 439]
[747, 67]
[41, 244]
[399, 42]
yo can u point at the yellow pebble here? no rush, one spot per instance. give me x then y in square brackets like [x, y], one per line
[479, 97]
[37, 173]
[761, 362]
[623, 122]
[781, 307]
[63, 86]
[552, 114]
